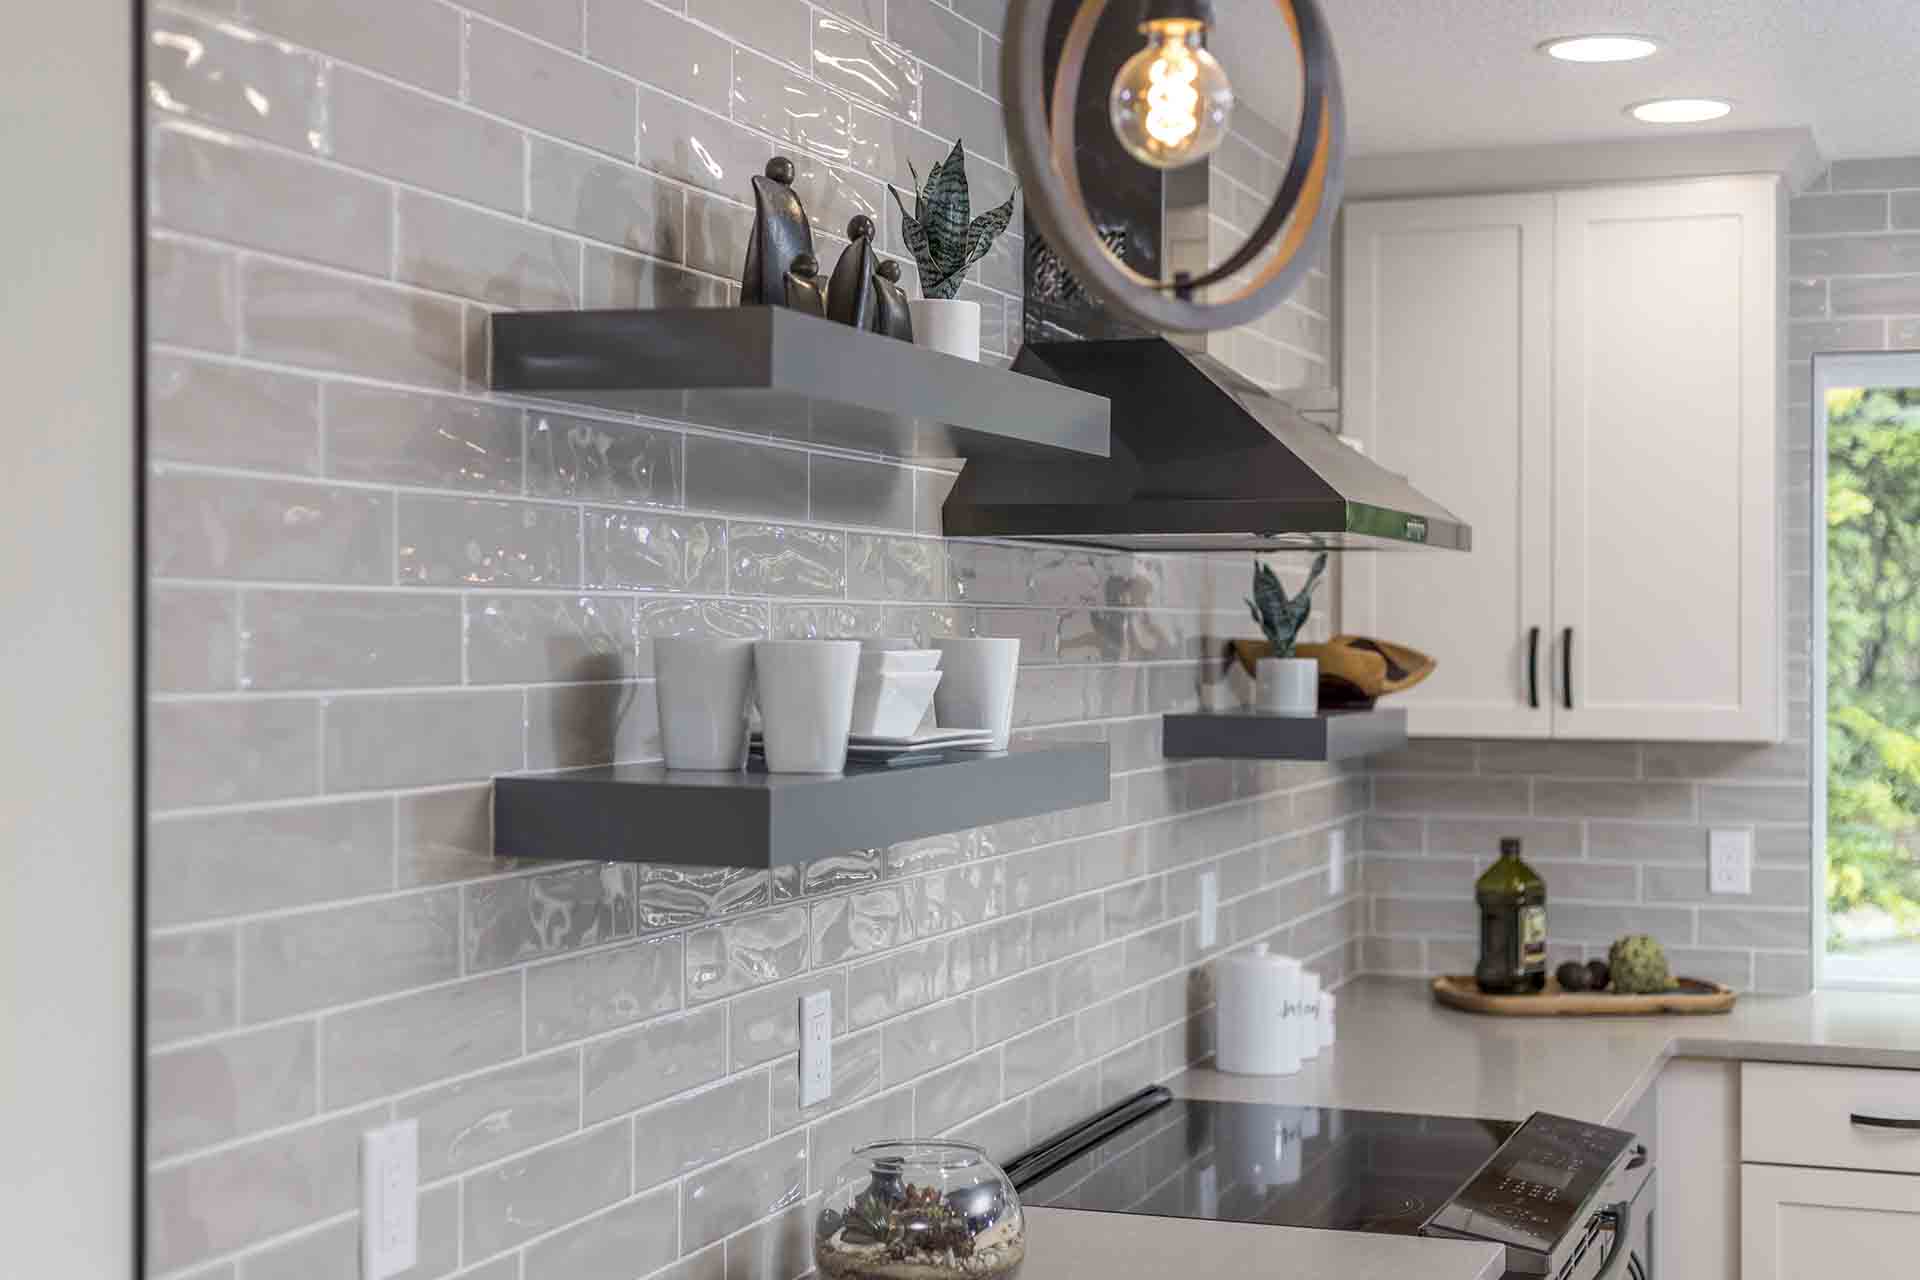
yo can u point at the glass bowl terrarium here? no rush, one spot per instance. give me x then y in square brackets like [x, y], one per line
[907, 1210]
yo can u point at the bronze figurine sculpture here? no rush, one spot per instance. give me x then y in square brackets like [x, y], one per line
[805, 290]
[850, 294]
[781, 236]
[890, 313]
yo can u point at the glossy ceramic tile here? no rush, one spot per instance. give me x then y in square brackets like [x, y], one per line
[225, 1089]
[345, 639]
[414, 40]
[294, 315]
[205, 753]
[746, 952]
[213, 526]
[530, 916]
[401, 1044]
[208, 866]
[861, 64]
[663, 49]
[420, 739]
[191, 299]
[191, 403]
[783, 560]
[653, 1061]
[387, 129]
[547, 90]
[706, 150]
[473, 542]
[232, 78]
[535, 1193]
[605, 199]
[737, 1192]
[632, 1238]
[650, 552]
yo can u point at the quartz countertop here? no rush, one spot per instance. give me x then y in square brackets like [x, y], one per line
[1067, 1244]
[1398, 1050]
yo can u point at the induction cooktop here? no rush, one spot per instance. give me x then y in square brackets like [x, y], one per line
[1334, 1169]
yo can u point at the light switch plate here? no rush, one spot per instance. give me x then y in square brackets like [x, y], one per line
[816, 1048]
[389, 1200]
[1730, 860]
[1336, 863]
[1209, 909]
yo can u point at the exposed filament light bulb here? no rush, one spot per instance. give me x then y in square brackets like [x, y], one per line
[1171, 101]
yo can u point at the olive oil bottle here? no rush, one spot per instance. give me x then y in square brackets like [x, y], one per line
[1513, 925]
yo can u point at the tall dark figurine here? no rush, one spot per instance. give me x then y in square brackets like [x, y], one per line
[780, 235]
[890, 314]
[850, 294]
[806, 291]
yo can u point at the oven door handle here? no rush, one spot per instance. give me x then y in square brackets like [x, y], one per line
[1619, 1251]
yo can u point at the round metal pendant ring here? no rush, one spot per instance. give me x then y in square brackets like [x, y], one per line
[1292, 235]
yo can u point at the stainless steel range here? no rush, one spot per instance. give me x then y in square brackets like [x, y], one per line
[1566, 1199]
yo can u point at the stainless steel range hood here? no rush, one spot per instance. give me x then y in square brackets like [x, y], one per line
[1202, 460]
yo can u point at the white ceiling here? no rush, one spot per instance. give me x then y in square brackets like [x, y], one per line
[1425, 75]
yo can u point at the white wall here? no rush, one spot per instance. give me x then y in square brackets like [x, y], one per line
[67, 749]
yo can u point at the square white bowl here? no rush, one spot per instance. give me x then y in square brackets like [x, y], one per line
[891, 704]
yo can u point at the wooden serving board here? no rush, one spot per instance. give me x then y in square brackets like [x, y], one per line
[1692, 996]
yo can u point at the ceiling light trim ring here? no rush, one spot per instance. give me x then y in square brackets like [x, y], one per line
[1722, 108]
[1040, 145]
[1652, 47]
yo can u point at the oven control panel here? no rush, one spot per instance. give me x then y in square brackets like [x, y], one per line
[1536, 1188]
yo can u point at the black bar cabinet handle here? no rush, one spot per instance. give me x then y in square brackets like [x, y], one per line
[1533, 667]
[1883, 1122]
[1566, 667]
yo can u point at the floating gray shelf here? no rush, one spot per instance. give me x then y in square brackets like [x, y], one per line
[1250, 734]
[643, 813]
[772, 370]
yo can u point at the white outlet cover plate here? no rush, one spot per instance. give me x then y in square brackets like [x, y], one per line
[1730, 861]
[389, 1200]
[816, 1048]
[1209, 909]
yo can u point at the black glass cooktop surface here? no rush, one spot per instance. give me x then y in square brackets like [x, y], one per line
[1338, 1170]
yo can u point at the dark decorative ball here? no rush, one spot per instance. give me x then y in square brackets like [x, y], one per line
[888, 270]
[860, 227]
[1572, 976]
[781, 170]
[805, 265]
[1598, 975]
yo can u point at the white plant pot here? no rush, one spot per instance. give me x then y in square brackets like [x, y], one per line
[805, 688]
[951, 325]
[1288, 686]
[704, 686]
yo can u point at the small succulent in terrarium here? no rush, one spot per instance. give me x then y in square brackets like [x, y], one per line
[897, 1224]
[938, 231]
[1280, 616]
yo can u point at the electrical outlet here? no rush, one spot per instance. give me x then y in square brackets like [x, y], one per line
[1730, 861]
[389, 1200]
[1209, 909]
[1336, 863]
[816, 1048]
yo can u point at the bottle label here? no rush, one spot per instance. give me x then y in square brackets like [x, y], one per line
[1533, 939]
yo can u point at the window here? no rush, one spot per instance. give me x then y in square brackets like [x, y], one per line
[1866, 692]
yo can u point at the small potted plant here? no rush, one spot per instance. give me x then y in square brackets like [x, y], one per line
[944, 244]
[1284, 683]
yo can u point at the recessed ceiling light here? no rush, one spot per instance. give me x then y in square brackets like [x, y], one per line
[1600, 48]
[1679, 110]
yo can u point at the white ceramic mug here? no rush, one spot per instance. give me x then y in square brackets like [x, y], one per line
[805, 691]
[704, 686]
[976, 688]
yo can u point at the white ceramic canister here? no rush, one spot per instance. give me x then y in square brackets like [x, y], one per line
[1310, 1005]
[951, 325]
[1259, 1027]
[704, 686]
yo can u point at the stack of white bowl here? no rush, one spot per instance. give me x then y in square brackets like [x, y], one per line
[894, 690]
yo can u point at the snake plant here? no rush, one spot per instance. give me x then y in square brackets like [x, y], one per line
[1279, 616]
[944, 242]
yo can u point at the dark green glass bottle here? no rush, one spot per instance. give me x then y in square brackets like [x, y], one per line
[1513, 925]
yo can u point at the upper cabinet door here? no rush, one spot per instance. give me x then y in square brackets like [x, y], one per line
[1666, 326]
[1446, 356]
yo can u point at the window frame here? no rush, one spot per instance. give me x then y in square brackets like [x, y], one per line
[1830, 371]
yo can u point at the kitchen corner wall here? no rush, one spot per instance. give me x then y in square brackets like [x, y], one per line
[1619, 829]
[375, 587]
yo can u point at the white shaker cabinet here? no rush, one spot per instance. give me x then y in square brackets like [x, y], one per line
[1592, 379]
[1821, 1224]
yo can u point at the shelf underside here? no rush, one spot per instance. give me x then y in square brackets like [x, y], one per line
[1251, 734]
[646, 813]
[774, 371]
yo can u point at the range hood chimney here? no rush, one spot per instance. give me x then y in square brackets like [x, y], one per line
[1202, 460]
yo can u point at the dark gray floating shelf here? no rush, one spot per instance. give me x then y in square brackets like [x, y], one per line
[1249, 734]
[643, 813]
[772, 370]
